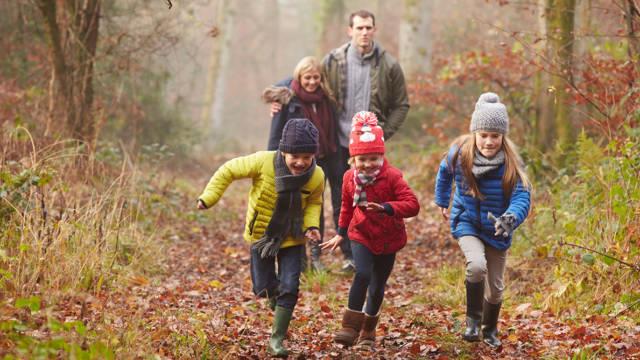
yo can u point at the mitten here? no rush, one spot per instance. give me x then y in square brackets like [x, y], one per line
[504, 224]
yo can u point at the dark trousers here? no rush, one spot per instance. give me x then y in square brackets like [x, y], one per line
[334, 167]
[372, 273]
[284, 286]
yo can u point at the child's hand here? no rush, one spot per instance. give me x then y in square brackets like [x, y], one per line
[445, 213]
[504, 224]
[374, 207]
[201, 205]
[313, 235]
[275, 108]
[331, 244]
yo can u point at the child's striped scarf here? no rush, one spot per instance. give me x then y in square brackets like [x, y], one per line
[361, 180]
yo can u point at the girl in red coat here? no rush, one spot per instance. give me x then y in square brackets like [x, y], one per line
[375, 200]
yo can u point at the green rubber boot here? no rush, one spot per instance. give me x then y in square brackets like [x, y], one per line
[281, 319]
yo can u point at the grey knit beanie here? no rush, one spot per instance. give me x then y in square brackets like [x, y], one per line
[299, 136]
[490, 115]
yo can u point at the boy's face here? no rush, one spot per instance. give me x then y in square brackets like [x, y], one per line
[488, 143]
[298, 163]
[368, 163]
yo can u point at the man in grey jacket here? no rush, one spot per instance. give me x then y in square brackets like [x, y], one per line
[364, 76]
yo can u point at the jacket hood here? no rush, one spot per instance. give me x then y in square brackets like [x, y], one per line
[279, 94]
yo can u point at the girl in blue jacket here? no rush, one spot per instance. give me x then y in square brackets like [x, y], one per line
[491, 199]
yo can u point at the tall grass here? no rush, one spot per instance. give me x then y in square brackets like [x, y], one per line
[588, 221]
[68, 221]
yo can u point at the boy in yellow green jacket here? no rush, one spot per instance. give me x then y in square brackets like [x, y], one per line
[285, 202]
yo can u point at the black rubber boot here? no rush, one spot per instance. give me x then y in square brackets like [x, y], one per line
[490, 315]
[281, 320]
[475, 295]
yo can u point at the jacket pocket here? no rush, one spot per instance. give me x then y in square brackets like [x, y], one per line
[456, 219]
[253, 222]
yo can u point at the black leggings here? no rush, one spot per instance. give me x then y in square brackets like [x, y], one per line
[372, 273]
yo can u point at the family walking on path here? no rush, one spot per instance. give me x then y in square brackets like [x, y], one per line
[330, 122]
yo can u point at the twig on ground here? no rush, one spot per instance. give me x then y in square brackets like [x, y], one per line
[623, 310]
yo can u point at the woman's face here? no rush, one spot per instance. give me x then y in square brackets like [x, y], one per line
[368, 163]
[488, 143]
[310, 80]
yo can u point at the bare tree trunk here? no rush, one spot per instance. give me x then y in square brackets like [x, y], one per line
[582, 46]
[73, 33]
[415, 37]
[88, 24]
[330, 17]
[63, 95]
[214, 65]
[223, 67]
[543, 124]
[632, 21]
[560, 28]
[273, 10]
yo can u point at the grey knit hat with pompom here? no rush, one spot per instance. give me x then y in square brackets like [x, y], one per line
[490, 115]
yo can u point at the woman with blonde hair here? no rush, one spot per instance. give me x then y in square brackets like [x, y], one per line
[307, 95]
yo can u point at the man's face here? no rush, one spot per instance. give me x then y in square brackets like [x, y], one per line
[362, 32]
[298, 163]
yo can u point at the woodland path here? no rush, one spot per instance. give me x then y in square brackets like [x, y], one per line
[203, 307]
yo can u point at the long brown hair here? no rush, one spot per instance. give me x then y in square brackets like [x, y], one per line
[309, 63]
[513, 170]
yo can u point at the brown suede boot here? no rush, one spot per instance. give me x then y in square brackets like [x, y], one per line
[368, 332]
[351, 325]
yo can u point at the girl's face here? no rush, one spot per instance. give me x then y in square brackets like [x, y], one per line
[488, 143]
[298, 163]
[368, 163]
[310, 80]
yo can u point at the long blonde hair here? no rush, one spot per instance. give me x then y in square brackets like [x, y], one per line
[513, 165]
[309, 63]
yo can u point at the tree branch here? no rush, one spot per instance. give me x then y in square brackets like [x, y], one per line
[632, 266]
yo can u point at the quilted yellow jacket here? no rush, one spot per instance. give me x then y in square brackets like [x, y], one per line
[262, 197]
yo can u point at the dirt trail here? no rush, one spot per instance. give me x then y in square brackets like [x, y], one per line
[205, 306]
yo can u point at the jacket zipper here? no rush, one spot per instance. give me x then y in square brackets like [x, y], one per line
[253, 222]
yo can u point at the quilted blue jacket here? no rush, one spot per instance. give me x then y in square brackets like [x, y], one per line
[468, 215]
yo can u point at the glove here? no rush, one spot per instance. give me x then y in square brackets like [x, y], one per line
[504, 224]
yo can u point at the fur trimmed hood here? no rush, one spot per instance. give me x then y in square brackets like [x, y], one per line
[279, 94]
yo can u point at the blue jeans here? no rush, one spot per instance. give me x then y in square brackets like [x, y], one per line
[284, 286]
[372, 273]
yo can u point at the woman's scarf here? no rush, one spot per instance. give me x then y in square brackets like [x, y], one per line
[287, 218]
[316, 107]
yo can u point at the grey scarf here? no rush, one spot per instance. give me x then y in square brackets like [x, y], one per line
[287, 216]
[483, 165]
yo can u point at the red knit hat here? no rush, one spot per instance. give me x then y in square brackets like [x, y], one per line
[366, 136]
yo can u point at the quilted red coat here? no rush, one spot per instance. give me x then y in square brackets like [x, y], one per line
[384, 232]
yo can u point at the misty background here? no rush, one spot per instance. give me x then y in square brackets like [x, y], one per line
[259, 43]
